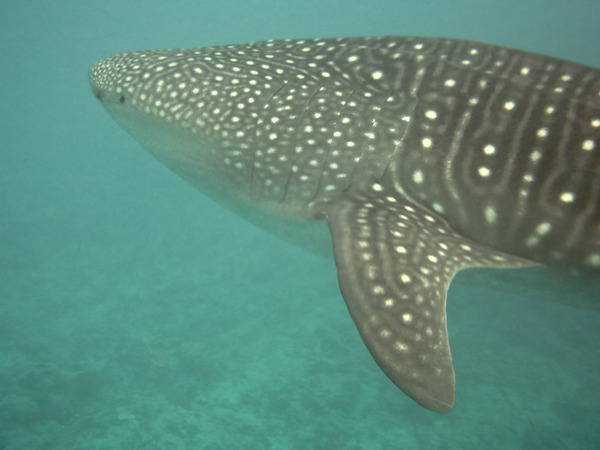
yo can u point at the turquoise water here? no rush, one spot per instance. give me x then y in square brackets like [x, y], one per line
[136, 313]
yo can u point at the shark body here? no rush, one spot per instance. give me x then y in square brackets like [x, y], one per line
[414, 157]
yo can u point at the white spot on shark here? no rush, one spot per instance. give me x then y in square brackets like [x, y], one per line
[588, 145]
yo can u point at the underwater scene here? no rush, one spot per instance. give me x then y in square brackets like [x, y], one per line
[138, 313]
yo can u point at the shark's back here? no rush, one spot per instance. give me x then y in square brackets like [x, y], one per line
[533, 191]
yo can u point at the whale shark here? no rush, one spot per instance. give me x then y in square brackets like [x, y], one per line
[406, 158]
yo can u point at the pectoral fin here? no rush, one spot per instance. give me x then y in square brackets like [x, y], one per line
[395, 261]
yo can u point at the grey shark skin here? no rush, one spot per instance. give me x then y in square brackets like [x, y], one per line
[422, 156]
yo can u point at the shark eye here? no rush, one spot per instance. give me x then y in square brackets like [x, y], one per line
[122, 99]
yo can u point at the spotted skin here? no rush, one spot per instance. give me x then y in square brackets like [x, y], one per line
[423, 156]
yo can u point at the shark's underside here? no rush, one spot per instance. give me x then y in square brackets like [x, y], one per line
[424, 156]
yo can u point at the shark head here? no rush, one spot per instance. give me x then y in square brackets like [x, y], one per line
[422, 156]
[278, 122]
